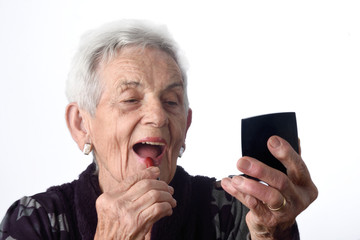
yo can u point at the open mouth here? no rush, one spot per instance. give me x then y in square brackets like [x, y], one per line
[146, 149]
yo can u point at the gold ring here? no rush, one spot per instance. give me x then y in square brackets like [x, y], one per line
[277, 209]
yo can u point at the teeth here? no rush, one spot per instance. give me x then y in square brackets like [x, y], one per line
[154, 143]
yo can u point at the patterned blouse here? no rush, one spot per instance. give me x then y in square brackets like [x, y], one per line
[203, 211]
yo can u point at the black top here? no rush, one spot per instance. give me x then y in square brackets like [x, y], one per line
[68, 211]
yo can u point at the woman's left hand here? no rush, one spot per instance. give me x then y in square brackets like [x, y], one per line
[273, 208]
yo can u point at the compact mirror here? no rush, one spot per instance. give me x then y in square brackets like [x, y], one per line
[255, 132]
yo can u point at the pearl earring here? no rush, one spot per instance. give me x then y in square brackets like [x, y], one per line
[181, 152]
[87, 148]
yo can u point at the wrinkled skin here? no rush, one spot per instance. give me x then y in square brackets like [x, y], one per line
[296, 187]
[130, 210]
[143, 98]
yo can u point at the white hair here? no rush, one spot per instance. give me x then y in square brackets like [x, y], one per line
[103, 44]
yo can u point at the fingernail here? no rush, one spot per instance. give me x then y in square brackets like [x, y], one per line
[154, 169]
[225, 181]
[174, 203]
[171, 190]
[244, 164]
[237, 180]
[274, 142]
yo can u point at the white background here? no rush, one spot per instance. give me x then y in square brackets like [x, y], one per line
[246, 58]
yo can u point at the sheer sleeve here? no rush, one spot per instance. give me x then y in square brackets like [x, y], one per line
[27, 218]
[228, 216]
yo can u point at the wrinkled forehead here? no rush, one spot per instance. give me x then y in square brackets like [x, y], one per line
[138, 64]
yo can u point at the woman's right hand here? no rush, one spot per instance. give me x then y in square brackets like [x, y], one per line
[130, 210]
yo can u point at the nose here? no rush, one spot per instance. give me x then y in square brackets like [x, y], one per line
[155, 114]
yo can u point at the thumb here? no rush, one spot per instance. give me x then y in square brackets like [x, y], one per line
[282, 150]
[148, 173]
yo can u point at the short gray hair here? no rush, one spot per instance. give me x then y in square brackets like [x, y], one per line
[103, 44]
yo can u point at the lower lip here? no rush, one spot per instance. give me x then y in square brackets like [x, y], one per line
[154, 162]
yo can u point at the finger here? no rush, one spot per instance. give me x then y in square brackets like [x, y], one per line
[255, 168]
[249, 201]
[148, 173]
[146, 185]
[145, 193]
[153, 197]
[130, 204]
[151, 191]
[134, 187]
[146, 218]
[266, 194]
[297, 171]
[150, 188]
[154, 204]
[150, 215]
[282, 150]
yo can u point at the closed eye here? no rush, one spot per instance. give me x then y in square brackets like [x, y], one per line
[131, 100]
[171, 103]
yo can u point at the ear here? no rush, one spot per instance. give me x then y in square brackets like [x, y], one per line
[75, 120]
[189, 119]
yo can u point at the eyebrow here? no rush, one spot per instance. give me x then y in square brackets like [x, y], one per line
[133, 84]
[126, 83]
[174, 85]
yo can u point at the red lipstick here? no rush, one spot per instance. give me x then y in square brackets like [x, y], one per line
[149, 162]
[150, 147]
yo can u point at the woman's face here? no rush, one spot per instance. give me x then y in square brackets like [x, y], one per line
[141, 114]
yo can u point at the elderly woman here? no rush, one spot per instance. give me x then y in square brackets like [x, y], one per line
[129, 106]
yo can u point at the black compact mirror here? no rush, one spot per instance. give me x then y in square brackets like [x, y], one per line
[255, 132]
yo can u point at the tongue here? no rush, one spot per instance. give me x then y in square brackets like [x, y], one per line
[145, 150]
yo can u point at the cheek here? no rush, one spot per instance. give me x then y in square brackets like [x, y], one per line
[177, 131]
[105, 137]
[177, 135]
[111, 134]
[113, 140]
[107, 148]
